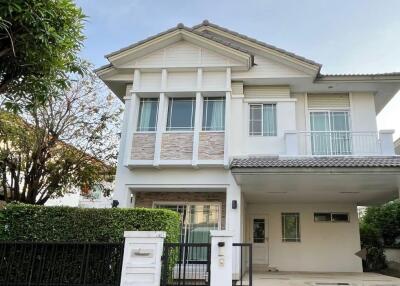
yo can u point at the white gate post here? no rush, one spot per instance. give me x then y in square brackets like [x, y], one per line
[142, 258]
[221, 258]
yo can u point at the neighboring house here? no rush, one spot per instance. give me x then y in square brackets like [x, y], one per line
[88, 198]
[240, 135]
[397, 146]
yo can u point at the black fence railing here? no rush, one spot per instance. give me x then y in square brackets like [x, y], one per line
[243, 264]
[60, 264]
[186, 264]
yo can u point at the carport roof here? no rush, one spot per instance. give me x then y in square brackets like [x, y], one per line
[317, 162]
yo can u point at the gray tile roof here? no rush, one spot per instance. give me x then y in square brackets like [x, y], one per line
[207, 23]
[357, 75]
[180, 26]
[317, 162]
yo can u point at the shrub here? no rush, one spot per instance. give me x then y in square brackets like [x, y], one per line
[373, 243]
[386, 219]
[20, 222]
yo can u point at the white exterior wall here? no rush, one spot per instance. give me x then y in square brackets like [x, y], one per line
[186, 180]
[363, 115]
[324, 246]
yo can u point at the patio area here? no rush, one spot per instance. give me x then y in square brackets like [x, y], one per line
[322, 279]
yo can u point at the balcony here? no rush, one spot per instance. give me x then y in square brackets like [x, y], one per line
[339, 143]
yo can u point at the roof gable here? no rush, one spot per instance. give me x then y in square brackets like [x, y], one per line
[184, 54]
[162, 40]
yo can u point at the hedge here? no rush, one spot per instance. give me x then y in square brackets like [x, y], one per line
[19, 222]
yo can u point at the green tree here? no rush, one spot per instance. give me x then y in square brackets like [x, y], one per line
[386, 219]
[69, 141]
[39, 43]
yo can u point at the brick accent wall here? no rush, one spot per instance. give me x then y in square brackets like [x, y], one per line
[143, 146]
[146, 199]
[177, 146]
[211, 145]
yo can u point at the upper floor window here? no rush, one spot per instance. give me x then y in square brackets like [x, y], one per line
[263, 119]
[181, 114]
[330, 133]
[148, 110]
[214, 114]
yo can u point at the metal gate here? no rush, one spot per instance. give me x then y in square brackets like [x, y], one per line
[60, 263]
[243, 270]
[186, 264]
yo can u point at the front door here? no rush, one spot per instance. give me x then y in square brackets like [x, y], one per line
[259, 238]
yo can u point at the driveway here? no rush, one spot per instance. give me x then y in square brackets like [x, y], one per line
[322, 279]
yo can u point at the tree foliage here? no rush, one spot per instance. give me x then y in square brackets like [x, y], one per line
[39, 42]
[386, 220]
[68, 141]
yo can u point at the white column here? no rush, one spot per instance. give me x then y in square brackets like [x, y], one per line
[386, 141]
[227, 128]
[120, 191]
[136, 80]
[291, 143]
[221, 258]
[227, 117]
[160, 128]
[141, 264]
[233, 216]
[197, 129]
[131, 110]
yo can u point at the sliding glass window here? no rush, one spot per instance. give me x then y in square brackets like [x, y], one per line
[330, 133]
[181, 114]
[263, 120]
[214, 114]
[148, 110]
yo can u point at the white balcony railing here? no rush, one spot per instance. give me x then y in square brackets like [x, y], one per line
[339, 143]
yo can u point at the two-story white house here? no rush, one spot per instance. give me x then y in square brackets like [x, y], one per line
[237, 134]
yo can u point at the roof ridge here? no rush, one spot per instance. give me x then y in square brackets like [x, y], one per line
[206, 23]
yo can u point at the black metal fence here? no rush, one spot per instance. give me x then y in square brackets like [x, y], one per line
[60, 264]
[186, 264]
[243, 264]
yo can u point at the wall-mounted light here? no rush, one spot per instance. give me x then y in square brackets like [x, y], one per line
[234, 204]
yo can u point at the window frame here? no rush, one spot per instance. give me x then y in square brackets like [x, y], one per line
[207, 99]
[274, 104]
[329, 111]
[331, 217]
[298, 227]
[169, 115]
[141, 101]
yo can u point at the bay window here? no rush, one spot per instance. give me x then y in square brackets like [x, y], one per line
[214, 114]
[181, 113]
[263, 120]
[148, 110]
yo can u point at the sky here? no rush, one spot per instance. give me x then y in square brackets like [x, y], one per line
[345, 36]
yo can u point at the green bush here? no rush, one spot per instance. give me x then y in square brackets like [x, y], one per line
[20, 222]
[373, 243]
[386, 219]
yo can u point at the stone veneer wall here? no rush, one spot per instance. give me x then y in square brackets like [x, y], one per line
[211, 145]
[146, 199]
[177, 146]
[143, 146]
